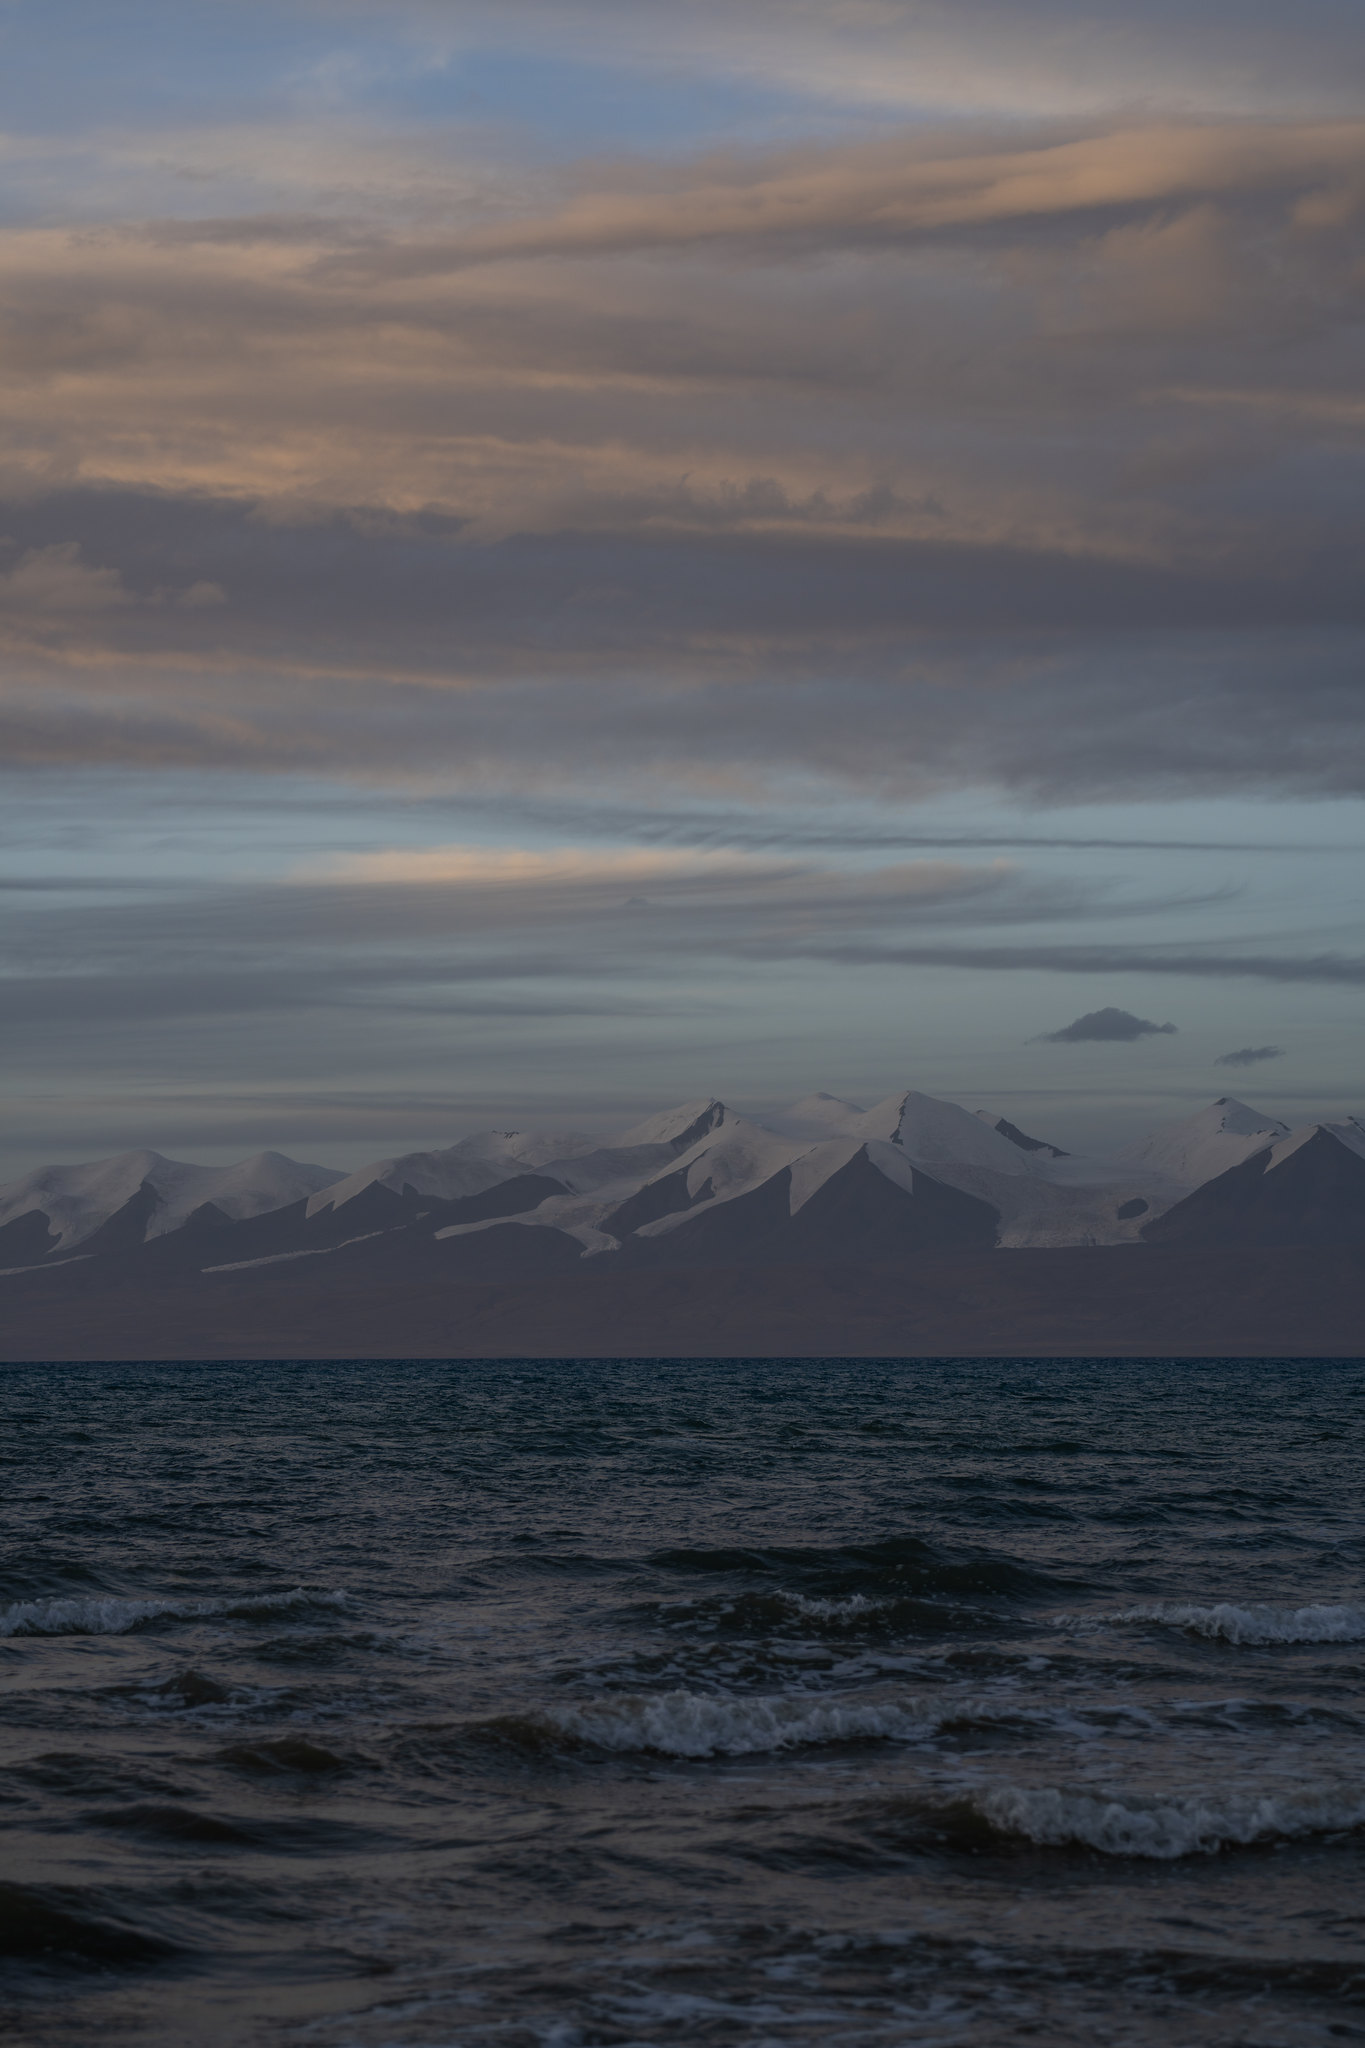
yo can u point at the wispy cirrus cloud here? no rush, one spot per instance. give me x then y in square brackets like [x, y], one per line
[1308, 177]
[1056, 56]
[1204, 963]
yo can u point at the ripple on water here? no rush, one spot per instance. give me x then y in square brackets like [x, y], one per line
[840, 1703]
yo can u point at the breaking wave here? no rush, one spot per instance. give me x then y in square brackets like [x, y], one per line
[1231, 1624]
[698, 1725]
[687, 1724]
[1164, 1829]
[107, 1616]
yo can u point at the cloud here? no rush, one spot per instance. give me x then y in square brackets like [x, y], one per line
[1203, 963]
[53, 580]
[1107, 1026]
[1249, 1056]
[474, 932]
[457, 927]
[523, 880]
[821, 408]
[887, 193]
[899, 55]
[974, 454]
[527, 867]
[392, 647]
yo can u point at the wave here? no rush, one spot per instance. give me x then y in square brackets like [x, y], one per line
[1161, 1829]
[107, 1616]
[687, 1724]
[47, 1925]
[283, 1753]
[1231, 1624]
[780, 1611]
[698, 1725]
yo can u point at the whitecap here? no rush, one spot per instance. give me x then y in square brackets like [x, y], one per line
[92, 1615]
[1228, 1623]
[688, 1724]
[1165, 1828]
[693, 1724]
[854, 1607]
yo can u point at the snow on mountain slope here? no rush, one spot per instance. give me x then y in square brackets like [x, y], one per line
[933, 1133]
[678, 1128]
[1040, 1199]
[1309, 1188]
[77, 1200]
[904, 1132]
[651, 1182]
[697, 1156]
[580, 1160]
[1351, 1134]
[1043, 1197]
[467, 1168]
[738, 1156]
[627, 1162]
[647, 1195]
[1206, 1144]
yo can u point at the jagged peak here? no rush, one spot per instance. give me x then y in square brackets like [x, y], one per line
[681, 1127]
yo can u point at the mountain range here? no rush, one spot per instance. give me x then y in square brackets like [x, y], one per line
[915, 1228]
[701, 1184]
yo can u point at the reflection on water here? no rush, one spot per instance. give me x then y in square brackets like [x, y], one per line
[726, 1702]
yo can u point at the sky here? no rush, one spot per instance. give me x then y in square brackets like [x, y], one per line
[562, 556]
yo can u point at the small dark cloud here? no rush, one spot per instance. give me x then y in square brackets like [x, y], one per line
[1109, 1026]
[1249, 1056]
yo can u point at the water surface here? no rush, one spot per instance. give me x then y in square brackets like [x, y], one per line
[733, 1702]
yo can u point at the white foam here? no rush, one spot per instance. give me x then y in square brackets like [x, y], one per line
[688, 1724]
[853, 1607]
[691, 1724]
[1163, 1829]
[89, 1615]
[1230, 1624]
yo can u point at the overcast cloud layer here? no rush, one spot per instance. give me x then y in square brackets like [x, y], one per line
[580, 430]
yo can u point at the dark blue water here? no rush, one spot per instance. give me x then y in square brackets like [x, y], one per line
[547, 1705]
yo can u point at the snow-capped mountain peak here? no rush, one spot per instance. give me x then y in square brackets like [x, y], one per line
[679, 1128]
[470, 1167]
[1351, 1134]
[78, 1200]
[932, 1133]
[690, 1164]
[1207, 1143]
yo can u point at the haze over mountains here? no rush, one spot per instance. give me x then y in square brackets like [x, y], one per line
[702, 1185]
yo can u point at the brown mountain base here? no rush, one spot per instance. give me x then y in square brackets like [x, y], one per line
[1125, 1301]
